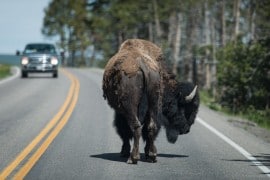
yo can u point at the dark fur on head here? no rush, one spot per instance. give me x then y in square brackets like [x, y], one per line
[179, 114]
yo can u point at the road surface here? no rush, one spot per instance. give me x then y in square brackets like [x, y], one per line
[62, 129]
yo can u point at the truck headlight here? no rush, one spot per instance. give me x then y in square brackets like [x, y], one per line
[54, 61]
[24, 61]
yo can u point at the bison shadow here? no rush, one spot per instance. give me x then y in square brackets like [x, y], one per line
[110, 157]
[263, 158]
[116, 156]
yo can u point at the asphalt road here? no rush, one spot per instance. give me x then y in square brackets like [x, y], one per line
[88, 147]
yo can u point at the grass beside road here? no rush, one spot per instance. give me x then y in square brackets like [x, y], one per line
[4, 71]
[260, 117]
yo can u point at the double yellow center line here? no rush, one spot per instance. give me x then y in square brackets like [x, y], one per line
[46, 136]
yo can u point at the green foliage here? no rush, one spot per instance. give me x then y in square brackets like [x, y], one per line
[67, 19]
[209, 100]
[243, 74]
[244, 78]
[261, 117]
[4, 71]
[263, 14]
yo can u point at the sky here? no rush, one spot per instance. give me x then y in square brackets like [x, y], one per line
[21, 23]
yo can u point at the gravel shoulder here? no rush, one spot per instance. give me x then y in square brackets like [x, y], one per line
[245, 124]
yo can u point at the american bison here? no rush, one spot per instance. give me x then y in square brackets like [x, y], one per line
[145, 96]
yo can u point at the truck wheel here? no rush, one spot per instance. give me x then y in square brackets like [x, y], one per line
[24, 74]
[55, 74]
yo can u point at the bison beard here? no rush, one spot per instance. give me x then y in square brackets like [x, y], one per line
[146, 96]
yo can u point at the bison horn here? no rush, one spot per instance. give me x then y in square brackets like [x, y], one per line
[191, 95]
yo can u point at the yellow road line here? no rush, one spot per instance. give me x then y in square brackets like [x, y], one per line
[6, 172]
[35, 157]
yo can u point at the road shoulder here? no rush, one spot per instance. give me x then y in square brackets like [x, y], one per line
[15, 72]
[242, 124]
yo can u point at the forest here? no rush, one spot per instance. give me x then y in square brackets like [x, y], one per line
[221, 45]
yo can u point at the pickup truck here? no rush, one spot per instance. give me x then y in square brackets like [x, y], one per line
[39, 57]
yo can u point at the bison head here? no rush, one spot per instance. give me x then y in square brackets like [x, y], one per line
[181, 110]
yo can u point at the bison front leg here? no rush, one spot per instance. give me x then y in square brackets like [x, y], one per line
[135, 153]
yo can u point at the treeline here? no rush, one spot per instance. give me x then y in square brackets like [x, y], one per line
[221, 45]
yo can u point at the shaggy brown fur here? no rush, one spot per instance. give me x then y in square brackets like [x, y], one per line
[134, 49]
[145, 95]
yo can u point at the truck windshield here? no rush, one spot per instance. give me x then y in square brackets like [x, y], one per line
[39, 48]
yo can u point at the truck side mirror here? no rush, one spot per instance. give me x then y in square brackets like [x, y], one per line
[18, 53]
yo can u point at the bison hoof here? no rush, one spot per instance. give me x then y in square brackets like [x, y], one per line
[132, 161]
[151, 159]
[125, 151]
[124, 154]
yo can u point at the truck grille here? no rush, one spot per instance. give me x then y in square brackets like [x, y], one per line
[39, 60]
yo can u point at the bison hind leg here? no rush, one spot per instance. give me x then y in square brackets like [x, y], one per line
[149, 133]
[125, 133]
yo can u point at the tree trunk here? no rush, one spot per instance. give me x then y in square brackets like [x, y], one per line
[223, 24]
[213, 64]
[82, 56]
[192, 37]
[236, 19]
[157, 21]
[120, 37]
[207, 71]
[251, 20]
[172, 27]
[207, 42]
[92, 58]
[150, 25]
[207, 24]
[150, 32]
[177, 42]
[72, 58]
[63, 49]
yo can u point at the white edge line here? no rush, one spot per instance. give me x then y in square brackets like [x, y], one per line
[15, 73]
[257, 163]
